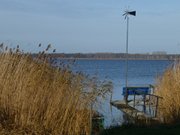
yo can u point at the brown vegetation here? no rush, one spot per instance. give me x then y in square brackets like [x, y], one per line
[168, 87]
[36, 98]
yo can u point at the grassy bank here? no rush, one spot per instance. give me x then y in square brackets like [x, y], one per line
[36, 98]
[136, 130]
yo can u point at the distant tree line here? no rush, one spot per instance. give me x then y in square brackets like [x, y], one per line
[116, 56]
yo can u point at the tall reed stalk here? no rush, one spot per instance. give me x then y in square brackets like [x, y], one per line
[36, 98]
[168, 87]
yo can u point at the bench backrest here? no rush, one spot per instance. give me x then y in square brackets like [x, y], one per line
[137, 90]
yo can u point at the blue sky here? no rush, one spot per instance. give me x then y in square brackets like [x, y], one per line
[91, 25]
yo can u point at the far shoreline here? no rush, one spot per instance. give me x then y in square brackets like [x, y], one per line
[114, 56]
[114, 59]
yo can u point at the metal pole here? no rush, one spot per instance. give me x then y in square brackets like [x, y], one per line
[127, 39]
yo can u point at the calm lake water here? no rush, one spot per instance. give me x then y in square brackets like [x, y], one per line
[140, 73]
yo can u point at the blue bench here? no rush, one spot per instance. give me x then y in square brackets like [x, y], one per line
[136, 90]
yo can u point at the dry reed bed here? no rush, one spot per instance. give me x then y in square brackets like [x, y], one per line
[168, 87]
[36, 98]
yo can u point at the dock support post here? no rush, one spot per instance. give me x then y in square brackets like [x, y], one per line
[157, 102]
[134, 100]
[144, 106]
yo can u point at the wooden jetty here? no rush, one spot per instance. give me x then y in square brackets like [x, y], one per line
[140, 96]
[127, 109]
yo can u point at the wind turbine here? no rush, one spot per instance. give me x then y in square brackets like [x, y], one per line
[127, 14]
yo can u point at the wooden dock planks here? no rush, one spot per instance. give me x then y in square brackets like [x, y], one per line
[127, 109]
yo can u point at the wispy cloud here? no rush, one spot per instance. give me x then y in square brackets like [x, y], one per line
[68, 8]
